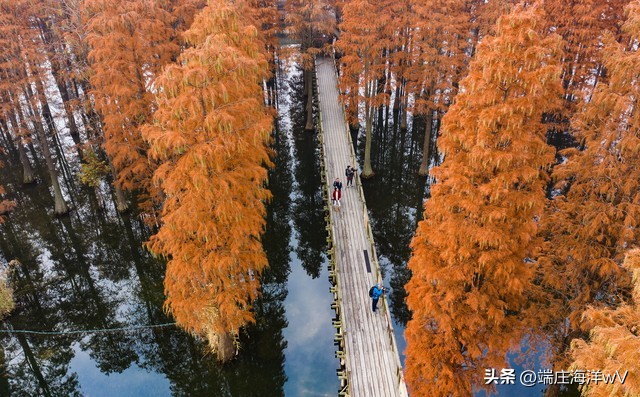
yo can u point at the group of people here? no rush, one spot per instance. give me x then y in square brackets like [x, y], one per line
[377, 290]
[336, 195]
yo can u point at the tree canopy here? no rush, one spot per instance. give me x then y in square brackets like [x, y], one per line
[210, 137]
[472, 273]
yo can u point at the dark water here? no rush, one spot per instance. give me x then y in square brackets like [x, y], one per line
[89, 271]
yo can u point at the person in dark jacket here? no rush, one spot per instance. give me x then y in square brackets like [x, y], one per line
[378, 291]
[337, 184]
[350, 172]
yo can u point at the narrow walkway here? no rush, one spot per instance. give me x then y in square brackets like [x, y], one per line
[367, 346]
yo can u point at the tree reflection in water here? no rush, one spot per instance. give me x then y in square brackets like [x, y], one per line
[394, 199]
[307, 211]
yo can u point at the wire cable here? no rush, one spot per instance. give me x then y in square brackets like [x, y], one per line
[88, 331]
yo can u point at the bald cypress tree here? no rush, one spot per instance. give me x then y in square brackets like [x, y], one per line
[210, 136]
[582, 23]
[22, 77]
[592, 219]
[472, 281]
[131, 40]
[308, 20]
[440, 43]
[367, 32]
[614, 341]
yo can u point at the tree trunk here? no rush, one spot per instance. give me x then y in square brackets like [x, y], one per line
[5, 127]
[60, 207]
[369, 114]
[403, 110]
[271, 91]
[225, 346]
[308, 79]
[367, 171]
[50, 40]
[34, 153]
[73, 127]
[27, 171]
[51, 125]
[6, 137]
[351, 109]
[426, 151]
[34, 365]
[396, 102]
[121, 201]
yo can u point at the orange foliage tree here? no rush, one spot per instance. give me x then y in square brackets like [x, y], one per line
[308, 21]
[12, 78]
[131, 40]
[581, 23]
[366, 33]
[472, 280]
[592, 220]
[267, 19]
[400, 55]
[440, 41]
[614, 342]
[211, 136]
[22, 86]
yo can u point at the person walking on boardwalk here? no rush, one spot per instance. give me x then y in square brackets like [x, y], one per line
[337, 184]
[335, 198]
[350, 172]
[375, 293]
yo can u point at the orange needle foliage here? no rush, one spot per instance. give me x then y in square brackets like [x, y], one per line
[211, 136]
[367, 31]
[471, 281]
[593, 220]
[614, 343]
[307, 21]
[581, 24]
[131, 40]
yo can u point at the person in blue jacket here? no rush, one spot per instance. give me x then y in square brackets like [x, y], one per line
[378, 291]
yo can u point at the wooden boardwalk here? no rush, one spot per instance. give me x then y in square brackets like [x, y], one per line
[366, 345]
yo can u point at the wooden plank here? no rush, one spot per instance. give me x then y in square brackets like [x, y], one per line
[371, 357]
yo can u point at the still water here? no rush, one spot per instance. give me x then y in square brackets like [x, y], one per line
[89, 271]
